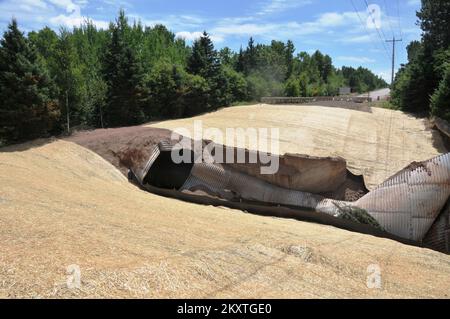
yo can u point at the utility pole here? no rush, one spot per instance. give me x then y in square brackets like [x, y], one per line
[393, 56]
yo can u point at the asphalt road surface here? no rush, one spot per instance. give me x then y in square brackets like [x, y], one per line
[382, 94]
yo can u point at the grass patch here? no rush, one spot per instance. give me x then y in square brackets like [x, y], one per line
[244, 103]
[358, 215]
[385, 105]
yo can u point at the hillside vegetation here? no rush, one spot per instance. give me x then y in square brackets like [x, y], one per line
[422, 85]
[130, 73]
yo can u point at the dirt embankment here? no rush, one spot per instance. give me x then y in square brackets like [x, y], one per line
[62, 205]
[130, 147]
[122, 146]
[375, 144]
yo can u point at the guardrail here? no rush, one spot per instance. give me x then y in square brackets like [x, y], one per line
[303, 100]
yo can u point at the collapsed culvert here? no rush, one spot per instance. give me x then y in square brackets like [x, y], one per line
[404, 208]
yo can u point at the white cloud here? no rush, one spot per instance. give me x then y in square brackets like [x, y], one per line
[414, 2]
[355, 59]
[32, 4]
[333, 19]
[30, 13]
[245, 29]
[73, 16]
[117, 4]
[173, 22]
[385, 74]
[68, 5]
[36, 13]
[76, 20]
[274, 6]
[357, 39]
[192, 36]
[324, 23]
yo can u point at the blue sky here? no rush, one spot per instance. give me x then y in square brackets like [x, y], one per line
[345, 29]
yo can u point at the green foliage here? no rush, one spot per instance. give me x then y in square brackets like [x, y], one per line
[129, 74]
[124, 77]
[203, 60]
[406, 93]
[361, 79]
[440, 100]
[157, 44]
[196, 95]
[358, 215]
[237, 85]
[258, 85]
[68, 77]
[385, 105]
[166, 85]
[27, 107]
[421, 86]
[292, 87]
[434, 18]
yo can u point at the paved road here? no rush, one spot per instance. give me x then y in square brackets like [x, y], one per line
[379, 94]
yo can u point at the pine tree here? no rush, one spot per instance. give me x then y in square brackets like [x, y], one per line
[27, 109]
[290, 49]
[250, 64]
[421, 76]
[440, 100]
[203, 60]
[124, 76]
[205, 63]
[240, 63]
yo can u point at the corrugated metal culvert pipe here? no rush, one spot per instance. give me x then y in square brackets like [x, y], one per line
[406, 205]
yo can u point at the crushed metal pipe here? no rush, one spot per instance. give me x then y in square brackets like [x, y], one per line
[406, 205]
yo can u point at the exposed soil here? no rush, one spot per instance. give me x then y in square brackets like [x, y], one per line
[62, 205]
[122, 147]
[130, 147]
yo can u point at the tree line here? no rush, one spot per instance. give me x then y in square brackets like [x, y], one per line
[129, 74]
[422, 86]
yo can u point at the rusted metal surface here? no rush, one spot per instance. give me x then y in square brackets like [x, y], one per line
[408, 203]
[226, 183]
[438, 236]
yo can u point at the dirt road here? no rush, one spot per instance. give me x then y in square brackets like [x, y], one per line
[382, 94]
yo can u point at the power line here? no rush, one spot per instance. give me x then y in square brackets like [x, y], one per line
[398, 19]
[365, 26]
[382, 38]
[388, 18]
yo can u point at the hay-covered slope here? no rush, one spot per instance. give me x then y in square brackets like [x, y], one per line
[61, 204]
[376, 143]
